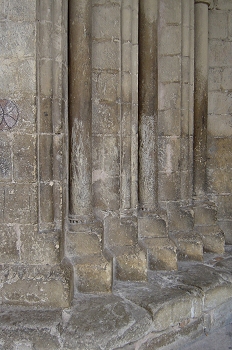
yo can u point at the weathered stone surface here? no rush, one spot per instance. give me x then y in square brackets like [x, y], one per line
[170, 310]
[169, 122]
[170, 40]
[106, 23]
[104, 322]
[219, 51]
[180, 218]
[219, 125]
[119, 232]
[24, 158]
[38, 285]
[93, 274]
[20, 203]
[151, 226]
[189, 245]
[213, 238]
[223, 5]
[6, 158]
[161, 252]
[134, 150]
[226, 225]
[169, 186]
[167, 306]
[222, 30]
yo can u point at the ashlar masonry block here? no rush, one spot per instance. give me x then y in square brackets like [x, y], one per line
[218, 24]
[169, 69]
[24, 157]
[106, 54]
[215, 78]
[20, 203]
[17, 38]
[226, 83]
[219, 51]
[9, 250]
[170, 43]
[5, 158]
[20, 10]
[106, 22]
[223, 5]
[106, 86]
[121, 242]
[171, 11]
[35, 286]
[220, 103]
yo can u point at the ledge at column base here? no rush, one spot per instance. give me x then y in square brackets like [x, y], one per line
[213, 238]
[189, 245]
[130, 263]
[169, 311]
[93, 274]
[36, 286]
[151, 225]
[161, 253]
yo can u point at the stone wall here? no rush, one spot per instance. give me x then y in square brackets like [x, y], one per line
[99, 165]
[31, 141]
[219, 121]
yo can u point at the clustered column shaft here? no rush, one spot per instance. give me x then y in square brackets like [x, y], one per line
[148, 104]
[200, 96]
[80, 108]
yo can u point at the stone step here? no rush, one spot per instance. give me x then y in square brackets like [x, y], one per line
[121, 242]
[189, 245]
[205, 218]
[161, 253]
[92, 274]
[92, 270]
[153, 237]
[130, 263]
[166, 312]
[36, 286]
[181, 230]
[212, 237]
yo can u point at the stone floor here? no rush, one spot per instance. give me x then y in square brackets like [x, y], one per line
[169, 312]
[220, 339]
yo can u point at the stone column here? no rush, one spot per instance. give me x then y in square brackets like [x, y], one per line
[80, 110]
[200, 96]
[152, 230]
[92, 271]
[148, 105]
[205, 213]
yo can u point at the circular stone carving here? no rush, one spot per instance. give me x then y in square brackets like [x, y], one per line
[9, 114]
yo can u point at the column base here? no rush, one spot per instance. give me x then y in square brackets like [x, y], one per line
[121, 242]
[153, 237]
[92, 270]
[205, 215]
[181, 230]
[189, 245]
[93, 274]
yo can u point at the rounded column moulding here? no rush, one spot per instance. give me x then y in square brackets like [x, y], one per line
[205, 212]
[148, 105]
[80, 110]
[200, 97]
